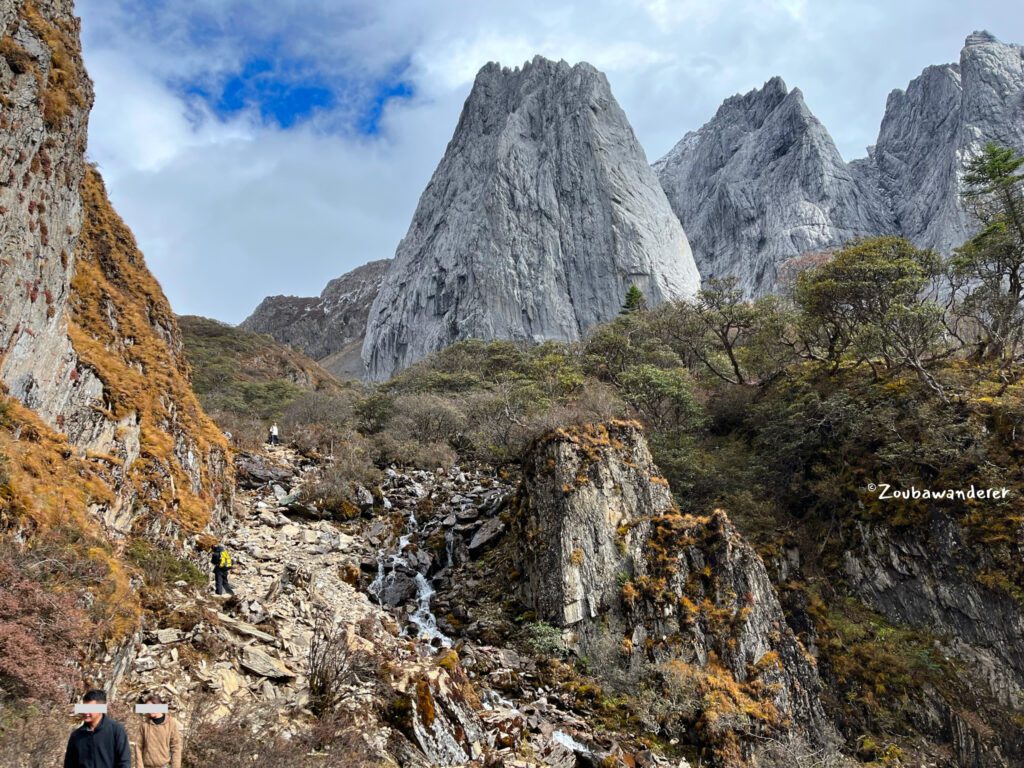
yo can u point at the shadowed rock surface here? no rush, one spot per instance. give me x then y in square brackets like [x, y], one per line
[539, 217]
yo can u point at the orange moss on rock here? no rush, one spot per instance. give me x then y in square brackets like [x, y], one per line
[66, 86]
[48, 490]
[122, 328]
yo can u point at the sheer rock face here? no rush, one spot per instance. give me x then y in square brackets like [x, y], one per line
[41, 168]
[330, 329]
[599, 531]
[929, 130]
[762, 182]
[541, 214]
[927, 577]
[86, 336]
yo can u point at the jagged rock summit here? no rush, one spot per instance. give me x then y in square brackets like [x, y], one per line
[539, 217]
[943, 117]
[763, 182]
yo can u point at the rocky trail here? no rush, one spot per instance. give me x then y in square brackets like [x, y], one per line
[465, 702]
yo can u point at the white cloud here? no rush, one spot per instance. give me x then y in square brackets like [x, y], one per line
[229, 212]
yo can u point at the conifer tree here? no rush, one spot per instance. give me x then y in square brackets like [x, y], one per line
[635, 301]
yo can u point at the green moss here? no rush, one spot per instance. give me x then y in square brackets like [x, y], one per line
[160, 567]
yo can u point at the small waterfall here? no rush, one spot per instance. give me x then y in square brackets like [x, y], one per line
[390, 566]
[449, 547]
[424, 618]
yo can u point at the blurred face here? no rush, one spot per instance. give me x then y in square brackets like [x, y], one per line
[91, 719]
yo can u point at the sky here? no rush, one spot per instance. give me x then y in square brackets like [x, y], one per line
[259, 148]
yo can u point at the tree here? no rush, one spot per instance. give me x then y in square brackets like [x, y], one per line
[987, 272]
[736, 340]
[868, 304]
[635, 301]
[663, 397]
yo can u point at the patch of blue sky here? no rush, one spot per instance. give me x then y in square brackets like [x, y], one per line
[282, 91]
[288, 92]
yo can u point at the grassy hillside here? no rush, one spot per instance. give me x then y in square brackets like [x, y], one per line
[245, 379]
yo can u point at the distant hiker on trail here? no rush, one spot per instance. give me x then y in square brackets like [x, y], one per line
[100, 742]
[274, 438]
[159, 744]
[220, 559]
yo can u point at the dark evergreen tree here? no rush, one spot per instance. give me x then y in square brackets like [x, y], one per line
[635, 301]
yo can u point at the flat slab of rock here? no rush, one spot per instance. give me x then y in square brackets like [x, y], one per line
[488, 535]
[168, 635]
[255, 471]
[264, 665]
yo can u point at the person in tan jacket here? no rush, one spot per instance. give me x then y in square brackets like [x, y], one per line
[159, 743]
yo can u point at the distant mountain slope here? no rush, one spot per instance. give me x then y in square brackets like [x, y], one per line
[247, 373]
[329, 328]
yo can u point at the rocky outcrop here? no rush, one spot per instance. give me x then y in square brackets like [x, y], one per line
[330, 329]
[45, 97]
[933, 578]
[605, 551]
[762, 182]
[87, 338]
[539, 217]
[930, 129]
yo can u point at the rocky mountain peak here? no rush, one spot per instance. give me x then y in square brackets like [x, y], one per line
[762, 181]
[980, 37]
[539, 217]
[328, 328]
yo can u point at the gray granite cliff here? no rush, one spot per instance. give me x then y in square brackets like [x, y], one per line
[539, 217]
[762, 182]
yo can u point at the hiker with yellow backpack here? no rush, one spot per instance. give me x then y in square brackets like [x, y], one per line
[220, 559]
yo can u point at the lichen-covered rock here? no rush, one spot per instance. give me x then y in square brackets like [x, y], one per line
[539, 217]
[330, 328]
[604, 550]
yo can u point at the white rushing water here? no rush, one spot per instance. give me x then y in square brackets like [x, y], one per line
[388, 565]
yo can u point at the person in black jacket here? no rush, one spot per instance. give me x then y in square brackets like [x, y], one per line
[100, 742]
[220, 559]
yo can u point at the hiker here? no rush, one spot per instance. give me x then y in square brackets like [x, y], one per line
[274, 434]
[220, 559]
[159, 744]
[100, 742]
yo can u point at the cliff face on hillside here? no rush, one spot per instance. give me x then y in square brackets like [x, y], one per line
[87, 339]
[539, 217]
[330, 328]
[605, 552]
[762, 182]
[929, 130]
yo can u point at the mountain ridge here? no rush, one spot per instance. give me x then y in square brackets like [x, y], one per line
[747, 213]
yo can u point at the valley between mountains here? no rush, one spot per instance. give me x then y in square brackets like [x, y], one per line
[584, 474]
